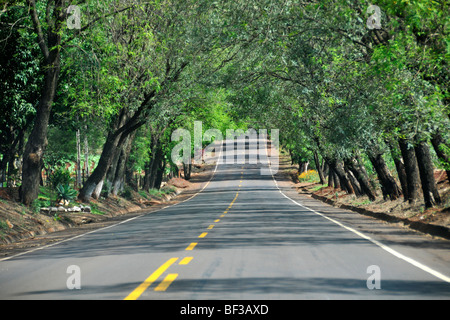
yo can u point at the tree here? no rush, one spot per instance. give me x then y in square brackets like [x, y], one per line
[50, 32]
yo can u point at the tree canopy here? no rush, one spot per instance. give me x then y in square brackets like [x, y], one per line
[358, 89]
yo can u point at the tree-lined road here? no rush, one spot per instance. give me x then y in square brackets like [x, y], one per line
[244, 236]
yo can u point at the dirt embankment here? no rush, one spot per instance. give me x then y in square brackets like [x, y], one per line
[434, 221]
[21, 228]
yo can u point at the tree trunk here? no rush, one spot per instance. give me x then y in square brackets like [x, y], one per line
[362, 178]
[355, 184]
[411, 170]
[336, 181]
[99, 173]
[345, 183]
[86, 156]
[330, 176]
[319, 168]
[37, 141]
[426, 170]
[149, 169]
[78, 170]
[113, 141]
[156, 166]
[438, 142]
[160, 174]
[119, 177]
[50, 46]
[387, 181]
[400, 167]
[187, 167]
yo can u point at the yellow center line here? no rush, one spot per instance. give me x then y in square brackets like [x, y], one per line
[191, 246]
[186, 260]
[166, 282]
[136, 293]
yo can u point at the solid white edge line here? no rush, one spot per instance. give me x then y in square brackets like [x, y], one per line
[114, 225]
[397, 254]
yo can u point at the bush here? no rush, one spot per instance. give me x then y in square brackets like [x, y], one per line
[60, 176]
[65, 192]
[309, 176]
[127, 192]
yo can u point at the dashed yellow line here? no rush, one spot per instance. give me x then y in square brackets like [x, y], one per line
[186, 260]
[136, 293]
[191, 246]
[166, 282]
[163, 285]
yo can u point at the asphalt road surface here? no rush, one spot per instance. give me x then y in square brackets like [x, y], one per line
[244, 236]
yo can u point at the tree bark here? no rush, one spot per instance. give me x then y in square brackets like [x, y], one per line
[319, 168]
[400, 167]
[78, 170]
[438, 142]
[426, 170]
[362, 178]
[354, 182]
[37, 141]
[99, 173]
[330, 176]
[119, 177]
[345, 183]
[187, 167]
[411, 170]
[387, 181]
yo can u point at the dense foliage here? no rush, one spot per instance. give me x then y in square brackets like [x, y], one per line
[365, 101]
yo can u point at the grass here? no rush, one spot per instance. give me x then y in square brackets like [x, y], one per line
[95, 209]
[3, 225]
[317, 188]
[156, 193]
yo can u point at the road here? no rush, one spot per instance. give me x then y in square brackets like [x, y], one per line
[245, 236]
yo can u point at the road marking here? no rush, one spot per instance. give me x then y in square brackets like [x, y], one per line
[166, 282]
[191, 246]
[186, 260]
[217, 220]
[203, 235]
[222, 215]
[210, 227]
[136, 293]
[395, 253]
